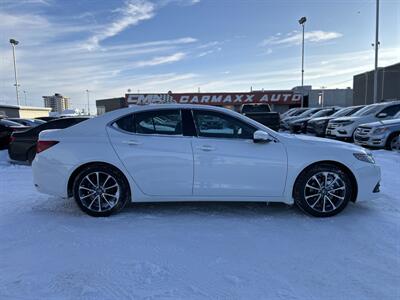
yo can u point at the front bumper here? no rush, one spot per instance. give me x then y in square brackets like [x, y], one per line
[343, 132]
[316, 129]
[378, 141]
[368, 180]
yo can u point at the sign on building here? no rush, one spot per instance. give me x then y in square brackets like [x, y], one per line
[270, 97]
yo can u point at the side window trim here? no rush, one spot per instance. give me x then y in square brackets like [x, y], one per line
[115, 126]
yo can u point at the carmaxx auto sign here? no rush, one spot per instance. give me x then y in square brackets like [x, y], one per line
[271, 97]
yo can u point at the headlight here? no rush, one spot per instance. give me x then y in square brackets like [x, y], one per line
[319, 122]
[380, 130]
[345, 123]
[367, 157]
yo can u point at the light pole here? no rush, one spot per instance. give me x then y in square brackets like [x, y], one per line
[302, 21]
[376, 53]
[88, 104]
[25, 96]
[13, 44]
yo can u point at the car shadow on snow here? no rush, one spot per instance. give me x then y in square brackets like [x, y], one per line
[251, 210]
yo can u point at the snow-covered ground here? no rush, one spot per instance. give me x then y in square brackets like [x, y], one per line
[50, 250]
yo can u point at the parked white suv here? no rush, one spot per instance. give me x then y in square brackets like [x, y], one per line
[344, 127]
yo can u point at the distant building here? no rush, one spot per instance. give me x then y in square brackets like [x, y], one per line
[279, 100]
[57, 103]
[388, 85]
[326, 97]
[18, 111]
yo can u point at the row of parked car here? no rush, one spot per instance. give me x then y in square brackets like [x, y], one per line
[375, 125]
[20, 135]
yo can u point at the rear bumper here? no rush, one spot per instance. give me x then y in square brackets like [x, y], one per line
[50, 177]
[15, 155]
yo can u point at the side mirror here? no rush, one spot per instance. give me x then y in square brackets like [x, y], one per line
[261, 137]
[381, 115]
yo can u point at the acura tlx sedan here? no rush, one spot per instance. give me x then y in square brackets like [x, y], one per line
[177, 152]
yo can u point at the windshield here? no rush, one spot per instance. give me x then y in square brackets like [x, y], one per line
[323, 113]
[298, 112]
[368, 110]
[10, 123]
[309, 113]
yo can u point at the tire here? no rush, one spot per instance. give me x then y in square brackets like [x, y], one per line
[101, 190]
[31, 155]
[393, 142]
[323, 190]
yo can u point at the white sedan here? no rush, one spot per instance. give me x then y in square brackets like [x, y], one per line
[176, 152]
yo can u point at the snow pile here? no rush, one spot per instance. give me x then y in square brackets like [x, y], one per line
[50, 250]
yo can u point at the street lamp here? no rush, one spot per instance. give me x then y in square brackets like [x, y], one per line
[24, 96]
[88, 104]
[376, 53]
[302, 21]
[13, 44]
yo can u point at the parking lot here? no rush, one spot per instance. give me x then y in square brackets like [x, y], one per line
[197, 250]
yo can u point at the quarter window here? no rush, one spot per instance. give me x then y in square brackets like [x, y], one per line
[217, 125]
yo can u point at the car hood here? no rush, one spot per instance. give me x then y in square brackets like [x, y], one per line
[300, 120]
[357, 120]
[320, 142]
[347, 119]
[390, 122]
[321, 119]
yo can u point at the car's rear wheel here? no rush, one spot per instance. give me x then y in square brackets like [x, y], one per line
[100, 190]
[323, 190]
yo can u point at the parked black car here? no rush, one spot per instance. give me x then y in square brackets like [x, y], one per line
[6, 129]
[263, 114]
[27, 122]
[318, 126]
[23, 144]
[46, 119]
[300, 125]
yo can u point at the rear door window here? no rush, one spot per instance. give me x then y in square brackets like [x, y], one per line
[167, 122]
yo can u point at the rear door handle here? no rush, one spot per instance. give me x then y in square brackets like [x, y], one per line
[206, 148]
[132, 142]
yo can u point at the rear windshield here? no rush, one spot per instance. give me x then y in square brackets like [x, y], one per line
[255, 108]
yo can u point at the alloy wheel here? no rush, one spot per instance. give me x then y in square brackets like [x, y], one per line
[325, 192]
[99, 192]
[395, 144]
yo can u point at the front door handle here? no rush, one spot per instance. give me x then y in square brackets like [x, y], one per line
[206, 148]
[132, 142]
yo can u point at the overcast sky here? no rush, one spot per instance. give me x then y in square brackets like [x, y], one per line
[182, 45]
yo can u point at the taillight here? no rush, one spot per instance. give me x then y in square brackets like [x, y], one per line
[44, 145]
[12, 139]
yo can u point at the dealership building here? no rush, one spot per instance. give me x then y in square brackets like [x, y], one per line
[279, 100]
[388, 85]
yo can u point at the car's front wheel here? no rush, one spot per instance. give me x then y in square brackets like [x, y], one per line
[100, 190]
[393, 142]
[323, 190]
